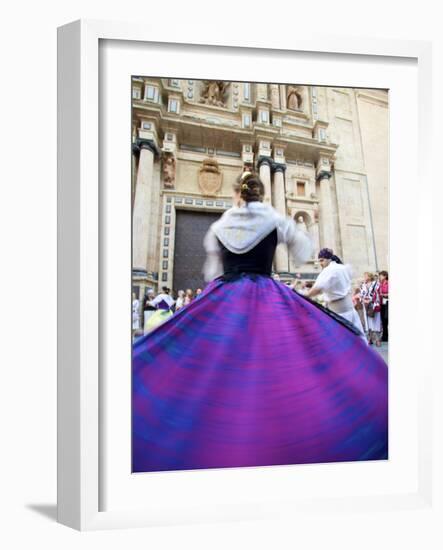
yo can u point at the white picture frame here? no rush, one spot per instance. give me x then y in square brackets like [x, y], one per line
[80, 412]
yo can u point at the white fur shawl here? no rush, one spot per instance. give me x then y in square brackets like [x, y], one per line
[241, 228]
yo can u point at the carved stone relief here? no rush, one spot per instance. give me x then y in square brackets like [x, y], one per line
[214, 92]
[210, 177]
[168, 170]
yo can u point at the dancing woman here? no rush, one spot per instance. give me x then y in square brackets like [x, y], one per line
[335, 283]
[163, 303]
[251, 373]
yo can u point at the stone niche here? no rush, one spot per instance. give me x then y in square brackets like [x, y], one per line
[294, 97]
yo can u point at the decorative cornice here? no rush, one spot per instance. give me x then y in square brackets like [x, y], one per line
[324, 175]
[140, 273]
[274, 166]
[264, 160]
[278, 167]
[291, 140]
[295, 200]
[145, 144]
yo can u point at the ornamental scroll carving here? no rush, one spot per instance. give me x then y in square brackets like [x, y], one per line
[214, 92]
[210, 177]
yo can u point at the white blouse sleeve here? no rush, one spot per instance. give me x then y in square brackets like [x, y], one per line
[299, 242]
[337, 280]
[324, 280]
[213, 266]
[162, 298]
[156, 300]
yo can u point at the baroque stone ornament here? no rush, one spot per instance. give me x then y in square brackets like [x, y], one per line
[168, 170]
[210, 177]
[294, 98]
[214, 92]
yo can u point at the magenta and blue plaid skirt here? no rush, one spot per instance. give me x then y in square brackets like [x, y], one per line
[252, 374]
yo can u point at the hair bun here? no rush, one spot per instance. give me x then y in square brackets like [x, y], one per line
[246, 174]
[249, 186]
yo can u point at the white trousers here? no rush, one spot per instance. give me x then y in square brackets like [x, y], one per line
[353, 317]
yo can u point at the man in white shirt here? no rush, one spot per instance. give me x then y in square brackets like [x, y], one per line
[334, 282]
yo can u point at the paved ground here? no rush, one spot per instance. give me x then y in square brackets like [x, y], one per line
[383, 350]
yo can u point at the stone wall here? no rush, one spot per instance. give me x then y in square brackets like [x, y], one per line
[323, 152]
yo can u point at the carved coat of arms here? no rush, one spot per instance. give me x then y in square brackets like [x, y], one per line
[210, 178]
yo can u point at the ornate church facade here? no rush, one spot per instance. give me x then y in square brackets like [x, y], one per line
[322, 154]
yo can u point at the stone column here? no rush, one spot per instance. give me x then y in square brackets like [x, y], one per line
[141, 218]
[281, 254]
[315, 234]
[283, 96]
[262, 91]
[275, 96]
[326, 211]
[264, 166]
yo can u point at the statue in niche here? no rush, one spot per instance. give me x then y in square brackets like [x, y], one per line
[168, 170]
[214, 92]
[301, 223]
[294, 98]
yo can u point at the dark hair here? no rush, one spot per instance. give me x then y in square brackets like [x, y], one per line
[328, 254]
[250, 187]
[385, 274]
[166, 290]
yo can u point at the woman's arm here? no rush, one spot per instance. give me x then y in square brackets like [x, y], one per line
[213, 266]
[155, 301]
[299, 242]
[314, 292]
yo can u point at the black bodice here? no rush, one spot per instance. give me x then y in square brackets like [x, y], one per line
[258, 260]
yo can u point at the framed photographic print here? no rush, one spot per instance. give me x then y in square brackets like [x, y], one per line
[231, 216]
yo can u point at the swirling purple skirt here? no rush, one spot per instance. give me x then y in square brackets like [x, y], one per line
[251, 374]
